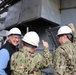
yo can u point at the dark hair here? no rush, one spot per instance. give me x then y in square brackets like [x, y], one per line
[70, 37]
[29, 45]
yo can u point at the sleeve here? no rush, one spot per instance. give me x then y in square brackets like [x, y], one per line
[35, 61]
[46, 59]
[4, 58]
[74, 36]
[59, 62]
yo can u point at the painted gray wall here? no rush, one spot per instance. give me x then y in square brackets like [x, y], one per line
[68, 14]
[50, 10]
[27, 10]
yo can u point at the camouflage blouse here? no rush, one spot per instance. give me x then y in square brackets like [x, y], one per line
[65, 59]
[26, 63]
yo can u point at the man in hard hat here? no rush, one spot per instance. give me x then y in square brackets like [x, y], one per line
[8, 49]
[26, 62]
[65, 54]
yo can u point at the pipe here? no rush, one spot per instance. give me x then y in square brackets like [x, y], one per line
[27, 29]
[4, 3]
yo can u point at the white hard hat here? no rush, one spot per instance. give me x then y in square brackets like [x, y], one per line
[14, 31]
[31, 38]
[64, 30]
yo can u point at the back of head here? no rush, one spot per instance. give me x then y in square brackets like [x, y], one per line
[14, 30]
[64, 30]
[31, 38]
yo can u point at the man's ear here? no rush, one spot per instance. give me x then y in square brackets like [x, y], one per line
[35, 49]
[23, 44]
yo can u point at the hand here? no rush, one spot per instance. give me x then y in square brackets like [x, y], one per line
[45, 44]
[70, 25]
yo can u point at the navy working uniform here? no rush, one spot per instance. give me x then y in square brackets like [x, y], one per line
[26, 62]
[65, 58]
